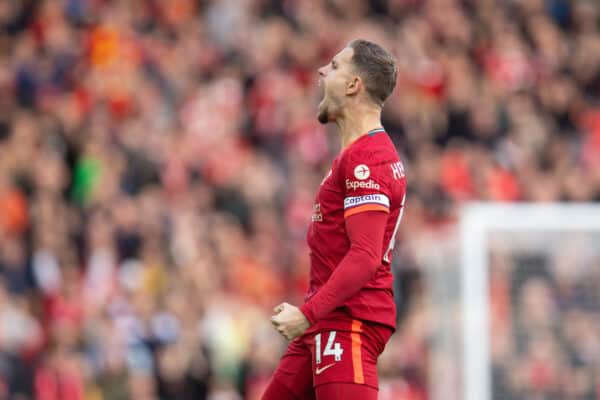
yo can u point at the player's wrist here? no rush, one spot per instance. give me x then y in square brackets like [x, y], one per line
[308, 313]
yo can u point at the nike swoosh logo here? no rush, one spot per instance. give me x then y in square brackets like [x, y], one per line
[319, 370]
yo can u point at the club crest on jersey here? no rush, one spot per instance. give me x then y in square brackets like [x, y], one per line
[355, 185]
[362, 172]
[317, 216]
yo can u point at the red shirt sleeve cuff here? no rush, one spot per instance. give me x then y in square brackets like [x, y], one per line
[308, 313]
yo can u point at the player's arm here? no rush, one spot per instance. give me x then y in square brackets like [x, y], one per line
[365, 231]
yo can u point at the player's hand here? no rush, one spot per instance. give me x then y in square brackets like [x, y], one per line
[289, 321]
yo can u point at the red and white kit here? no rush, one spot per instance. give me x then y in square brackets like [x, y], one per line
[350, 306]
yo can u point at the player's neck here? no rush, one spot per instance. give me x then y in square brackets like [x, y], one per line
[356, 123]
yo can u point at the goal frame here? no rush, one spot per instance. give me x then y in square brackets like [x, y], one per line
[477, 221]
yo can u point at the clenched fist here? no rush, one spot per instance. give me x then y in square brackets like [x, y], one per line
[289, 321]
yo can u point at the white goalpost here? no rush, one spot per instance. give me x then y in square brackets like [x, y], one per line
[478, 221]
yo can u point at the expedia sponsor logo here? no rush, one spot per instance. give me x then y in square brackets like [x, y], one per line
[355, 185]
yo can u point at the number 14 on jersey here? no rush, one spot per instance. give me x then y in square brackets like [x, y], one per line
[331, 348]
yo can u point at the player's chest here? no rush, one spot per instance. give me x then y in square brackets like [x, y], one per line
[329, 201]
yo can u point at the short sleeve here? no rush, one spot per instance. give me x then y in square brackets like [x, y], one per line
[366, 184]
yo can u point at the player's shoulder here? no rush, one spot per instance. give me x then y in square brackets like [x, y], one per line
[375, 147]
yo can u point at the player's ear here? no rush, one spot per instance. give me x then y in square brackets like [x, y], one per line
[353, 86]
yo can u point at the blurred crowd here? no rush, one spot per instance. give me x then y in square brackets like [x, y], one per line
[158, 162]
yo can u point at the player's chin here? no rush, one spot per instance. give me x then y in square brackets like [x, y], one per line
[323, 115]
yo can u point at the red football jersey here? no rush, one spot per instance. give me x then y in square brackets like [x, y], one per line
[367, 175]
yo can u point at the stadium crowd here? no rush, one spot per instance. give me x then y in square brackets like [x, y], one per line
[158, 162]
